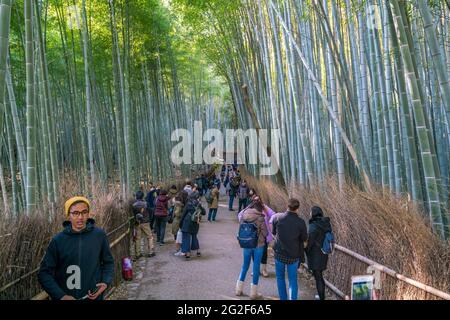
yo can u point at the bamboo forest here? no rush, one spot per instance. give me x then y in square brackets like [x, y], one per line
[94, 93]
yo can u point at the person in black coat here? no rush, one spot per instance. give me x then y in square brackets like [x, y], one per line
[317, 260]
[78, 260]
[190, 228]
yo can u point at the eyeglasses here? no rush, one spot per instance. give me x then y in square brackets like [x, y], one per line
[78, 213]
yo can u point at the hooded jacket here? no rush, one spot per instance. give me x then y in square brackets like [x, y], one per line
[161, 207]
[186, 223]
[151, 198]
[256, 217]
[75, 262]
[172, 193]
[177, 214]
[215, 197]
[318, 227]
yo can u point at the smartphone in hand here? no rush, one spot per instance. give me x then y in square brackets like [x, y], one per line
[92, 292]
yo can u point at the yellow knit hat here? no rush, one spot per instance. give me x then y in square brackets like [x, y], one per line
[74, 200]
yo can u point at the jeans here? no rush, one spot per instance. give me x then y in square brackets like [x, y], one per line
[280, 269]
[248, 254]
[189, 242]
[160, 225]
[212, 214]
[230, 203]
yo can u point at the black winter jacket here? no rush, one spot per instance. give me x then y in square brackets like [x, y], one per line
[187, 225]
[290, 232]
[75, 262]
[316, 234]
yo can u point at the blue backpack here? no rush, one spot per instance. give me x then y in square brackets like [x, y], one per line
[248, 235]
[328, 243]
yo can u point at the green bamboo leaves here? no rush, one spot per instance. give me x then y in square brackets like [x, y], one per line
[372, 76]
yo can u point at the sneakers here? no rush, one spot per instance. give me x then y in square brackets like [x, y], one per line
[136, 258]
[151, 255]
[178, 254]
[199, 254]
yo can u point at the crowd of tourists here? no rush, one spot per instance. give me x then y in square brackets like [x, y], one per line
[82, 245]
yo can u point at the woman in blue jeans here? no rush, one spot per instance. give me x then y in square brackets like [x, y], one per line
[253, 215]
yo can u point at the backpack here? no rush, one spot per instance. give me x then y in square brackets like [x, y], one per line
[235, 182]
[171, 214]
[208, 196]
[196, 216]
[248, 235]
[328, 243]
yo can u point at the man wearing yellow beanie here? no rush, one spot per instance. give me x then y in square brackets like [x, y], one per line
[78, 263]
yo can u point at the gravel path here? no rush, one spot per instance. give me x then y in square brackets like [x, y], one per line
[210, 277]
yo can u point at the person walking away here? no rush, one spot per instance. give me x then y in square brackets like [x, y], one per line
[214, 204]
[152, 194]
[268, 214]
[142, 226]
[161, 213]
[226, 181]
[242, 195]
[232, 191]
[190, 225]
[290, 234]
[317, 260]
[78, 260]
[204, 183]
[254, 216]
[199, 182]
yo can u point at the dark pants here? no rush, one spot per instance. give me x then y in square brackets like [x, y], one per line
[160, 225]
[320, 283]
[264, 257]
[230, 203]
[242, 204]
[189, 242]
[151, 212]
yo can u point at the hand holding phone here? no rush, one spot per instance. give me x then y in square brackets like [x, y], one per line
[92, 295]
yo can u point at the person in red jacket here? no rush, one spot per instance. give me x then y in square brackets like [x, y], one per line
[161, 214]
